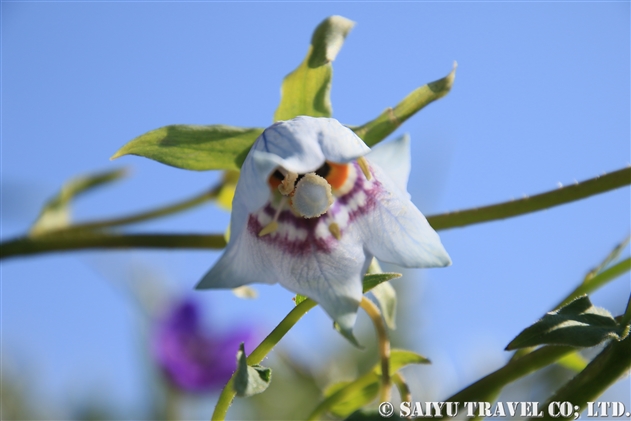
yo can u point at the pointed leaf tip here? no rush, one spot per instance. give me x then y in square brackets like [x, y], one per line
[307, 89]
[578, 324]
[328, 38]
[194, 147]
[250, 380]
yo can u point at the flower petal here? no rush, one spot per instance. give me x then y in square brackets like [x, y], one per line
[300, 145]
[394, 158]
[309, 262]
[395, 231]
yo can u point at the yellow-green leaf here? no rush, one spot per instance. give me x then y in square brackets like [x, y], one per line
[359, 398]
[378, 129]
[56, 212]
[306, 90]
[191, 147]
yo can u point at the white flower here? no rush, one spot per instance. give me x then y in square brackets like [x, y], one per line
[310, 212]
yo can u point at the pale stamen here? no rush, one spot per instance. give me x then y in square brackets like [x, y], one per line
[273, 226]
[287, 186]
[363, 164]
[334, 229]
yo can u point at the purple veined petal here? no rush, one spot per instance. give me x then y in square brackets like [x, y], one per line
[303, 256]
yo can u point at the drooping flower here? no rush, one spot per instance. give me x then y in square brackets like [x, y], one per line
[192, 359]
[310, 212]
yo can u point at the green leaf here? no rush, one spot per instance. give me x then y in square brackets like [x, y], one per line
[378, 129]
[250, 379]
[56, 212]
[359, 398]
[373, 279]
[306, 90]
[191, 147]
[345, 398]
[399, 358]
[578, 324]
[387, 298]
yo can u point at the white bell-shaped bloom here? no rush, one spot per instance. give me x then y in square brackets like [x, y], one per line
[289, 226]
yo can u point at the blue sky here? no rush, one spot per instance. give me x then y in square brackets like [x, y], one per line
[541, 97]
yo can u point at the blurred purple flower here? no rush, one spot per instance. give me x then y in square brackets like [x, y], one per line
[193, 359]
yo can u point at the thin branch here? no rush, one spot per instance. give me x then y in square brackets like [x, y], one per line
[142, 216]
[42, 244]
[604, 370]
[487, 387]
[91, 240]
[541, 201]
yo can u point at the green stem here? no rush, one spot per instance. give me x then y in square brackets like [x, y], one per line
[541, 201]
[95, 240]
[402, 386]
[592, 284]
[142, 216]
[40, 244]
[626, 318]
[228, 393]
[604, 370]
[486, 388]
[384, 345]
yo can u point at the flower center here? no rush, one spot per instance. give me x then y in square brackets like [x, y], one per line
[311, 195]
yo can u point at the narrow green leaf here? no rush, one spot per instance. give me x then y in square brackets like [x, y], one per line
[373, 279]
[306, 90]
[359, 398]
[387, 298]
[356, 391]
[399, 358]
[378, 129]
[56, 212]
[578, 324]
[250, 379]
[191, 147]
